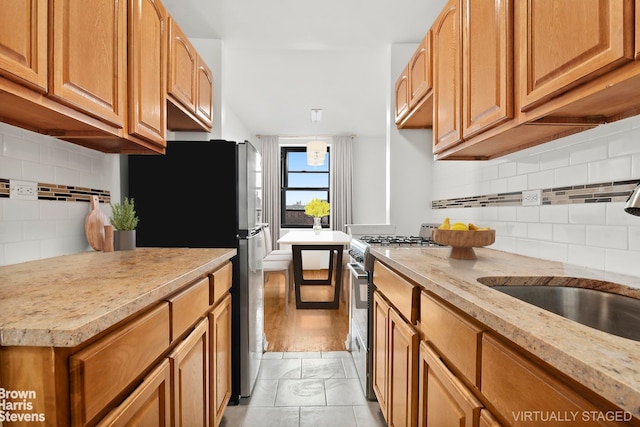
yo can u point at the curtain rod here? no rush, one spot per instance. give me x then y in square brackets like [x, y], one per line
[305, 136]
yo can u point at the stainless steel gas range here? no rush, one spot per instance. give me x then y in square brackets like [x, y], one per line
[361, 286]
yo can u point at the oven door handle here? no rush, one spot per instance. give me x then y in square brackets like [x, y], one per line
[357, 272]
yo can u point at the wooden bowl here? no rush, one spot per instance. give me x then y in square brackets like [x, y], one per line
[462, 242]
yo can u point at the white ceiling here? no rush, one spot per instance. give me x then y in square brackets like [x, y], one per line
[284, 57]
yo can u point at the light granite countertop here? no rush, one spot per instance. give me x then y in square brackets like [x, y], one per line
[63, 301]
[608, 365]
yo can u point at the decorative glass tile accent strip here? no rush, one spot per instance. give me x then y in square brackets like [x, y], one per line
[67, 193]
[617, 191]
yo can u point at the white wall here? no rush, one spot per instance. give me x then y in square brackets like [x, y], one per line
[410, 160]
[369, 180]
[32, 230]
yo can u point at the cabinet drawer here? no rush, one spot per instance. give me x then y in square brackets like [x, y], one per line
[103, 370]
[188, 306]
[456, 339]
[516, 387]
[221, 283]
[401, 293]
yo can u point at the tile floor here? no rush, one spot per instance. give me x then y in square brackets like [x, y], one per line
[300, 389]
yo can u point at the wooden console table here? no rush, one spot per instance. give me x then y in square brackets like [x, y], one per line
[306, 240]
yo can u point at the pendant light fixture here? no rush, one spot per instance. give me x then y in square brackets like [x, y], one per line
[316, 149]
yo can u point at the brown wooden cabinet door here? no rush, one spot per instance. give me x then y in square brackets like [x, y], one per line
[444, 400]
[23, 42]
[420, 81]
[90, 57]
[380, 350]
[190, 376]
[148, 70]
[402, 95]
[637, 30]
[402, 398]
[564, 43]
[487, 77]
[447, 46]
[148, 405]
[204, 100]
[515, 386]
[220, 356]
[183, 61]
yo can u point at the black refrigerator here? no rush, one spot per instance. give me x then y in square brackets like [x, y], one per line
[207, 194]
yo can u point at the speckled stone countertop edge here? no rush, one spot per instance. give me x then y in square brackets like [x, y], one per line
[606, 364]
[68, 332]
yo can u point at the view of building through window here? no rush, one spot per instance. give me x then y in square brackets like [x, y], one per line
[300, 184]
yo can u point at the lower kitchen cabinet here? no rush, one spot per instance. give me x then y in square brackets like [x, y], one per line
[149, 405]
[220, 359]
[515, 386]
[190, 378]
[167, 365]
[395, 365]
[444, 399]
[462, 373]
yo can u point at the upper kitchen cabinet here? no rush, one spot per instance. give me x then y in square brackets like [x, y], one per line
[89, 57]
[637, 29]
[568, 42]
[67, 70]
[532, 71]
[402, 95]
[487, 65]
[414, 101]
[447, 71]
[473, 69]
[190, 85]
[23, 42]
[148, 70]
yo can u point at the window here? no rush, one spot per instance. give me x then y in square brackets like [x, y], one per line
[300, 184]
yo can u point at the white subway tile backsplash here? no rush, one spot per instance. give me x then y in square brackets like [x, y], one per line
[528, 248]
[553, 251]
[634, 239]
[540, 180]
[41, 229]
[31, 230]
[528, 214]
[616, 169]
[554, 214]
[586, 256]
[540, 231]
[21, 210]
[573, 234]
[26, 250]
[607, 236]
[593, 151]
[11, 232]
[587, 213]
[38, 172]
[551, 160]
[21, 149]
[571, 175]
[624, 262]
[622, 144]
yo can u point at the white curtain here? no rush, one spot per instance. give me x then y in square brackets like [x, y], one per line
[341, 178]
[271, 184]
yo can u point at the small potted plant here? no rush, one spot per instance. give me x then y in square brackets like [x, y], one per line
[124, 221]
[317, 209]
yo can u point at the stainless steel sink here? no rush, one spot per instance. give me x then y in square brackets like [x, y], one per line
[609, 312]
